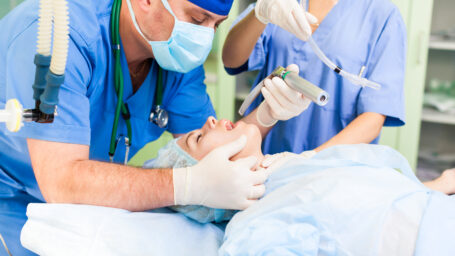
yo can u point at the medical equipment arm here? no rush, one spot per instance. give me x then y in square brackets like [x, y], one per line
[241, 40]
[363, 129]
[217, 182]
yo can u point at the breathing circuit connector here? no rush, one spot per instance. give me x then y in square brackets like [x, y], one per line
[42, 63]
[49, 98]
[12, 115]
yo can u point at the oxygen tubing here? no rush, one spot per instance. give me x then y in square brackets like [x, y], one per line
[352, 78]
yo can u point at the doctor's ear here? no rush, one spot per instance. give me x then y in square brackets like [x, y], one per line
[146, 5]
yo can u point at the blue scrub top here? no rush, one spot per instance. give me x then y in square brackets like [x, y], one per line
[355, 33]
[87, 98]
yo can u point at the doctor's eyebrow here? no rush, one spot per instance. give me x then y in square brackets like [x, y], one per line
[207, 15]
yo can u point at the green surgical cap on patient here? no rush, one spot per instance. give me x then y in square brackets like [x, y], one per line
[171, 156]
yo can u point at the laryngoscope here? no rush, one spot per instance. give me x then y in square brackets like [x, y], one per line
[293, 80]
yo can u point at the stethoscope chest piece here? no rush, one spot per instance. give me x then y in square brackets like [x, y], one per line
[159, 116]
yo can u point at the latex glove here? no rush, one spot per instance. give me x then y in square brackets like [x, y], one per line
[217, 182]
[287, 14]
[281, 101]
[273, 162]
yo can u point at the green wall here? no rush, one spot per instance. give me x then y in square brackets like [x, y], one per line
[7, 5]
[417, 16]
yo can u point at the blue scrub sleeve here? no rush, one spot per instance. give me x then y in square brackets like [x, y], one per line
[191, 106]
[72, 123]
[387, 66]
[256, 61]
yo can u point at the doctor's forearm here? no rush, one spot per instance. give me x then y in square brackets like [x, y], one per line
[65, 175]
[364, 129]
[241, 40]
[118, 186]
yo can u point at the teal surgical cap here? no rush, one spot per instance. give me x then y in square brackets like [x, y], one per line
[220, 7]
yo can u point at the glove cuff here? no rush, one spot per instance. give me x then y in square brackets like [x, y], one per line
[181, 186]
[263, 116]
[257, 11]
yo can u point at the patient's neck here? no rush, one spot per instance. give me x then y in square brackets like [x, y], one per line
[258, 154]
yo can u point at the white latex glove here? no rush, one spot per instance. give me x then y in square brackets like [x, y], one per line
[273, 162]
[217, 182]
[281, 101]
[287, 14]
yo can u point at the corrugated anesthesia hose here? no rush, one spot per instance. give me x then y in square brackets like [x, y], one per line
[61, 37]
[45, 27]
[56, 75]
[43, 52]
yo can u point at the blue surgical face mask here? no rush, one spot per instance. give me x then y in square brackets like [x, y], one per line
[187, 47]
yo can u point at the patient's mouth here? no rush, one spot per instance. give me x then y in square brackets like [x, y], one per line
[229, 125]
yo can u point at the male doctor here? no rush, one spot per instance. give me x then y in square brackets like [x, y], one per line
[67, 161]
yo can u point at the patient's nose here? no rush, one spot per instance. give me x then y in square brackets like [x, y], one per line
[210, 123]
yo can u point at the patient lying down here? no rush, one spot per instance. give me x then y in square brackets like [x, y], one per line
[192, 147]
[346, 200]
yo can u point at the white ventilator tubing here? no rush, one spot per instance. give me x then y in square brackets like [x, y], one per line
[61, 37]
[352, 78]
[45, 27]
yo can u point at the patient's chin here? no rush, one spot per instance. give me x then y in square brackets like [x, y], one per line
[253, 144]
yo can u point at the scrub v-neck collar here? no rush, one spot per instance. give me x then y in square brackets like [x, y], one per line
[334, 16]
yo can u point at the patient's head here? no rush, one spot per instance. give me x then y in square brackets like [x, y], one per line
[195, 145]
[215, 133]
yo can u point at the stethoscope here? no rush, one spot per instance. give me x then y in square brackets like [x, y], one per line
[158, 115]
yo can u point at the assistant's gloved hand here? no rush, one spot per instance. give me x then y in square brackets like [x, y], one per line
[281, 101]
[273, 162]
[217, 182]
[287, 14]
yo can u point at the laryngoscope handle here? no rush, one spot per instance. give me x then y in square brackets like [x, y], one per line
[309, 90]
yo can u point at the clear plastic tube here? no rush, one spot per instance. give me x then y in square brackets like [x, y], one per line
[61, 37]
[45, 27]
[352, 78]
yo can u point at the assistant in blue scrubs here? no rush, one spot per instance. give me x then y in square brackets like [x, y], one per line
[87, 102]
[355, 33]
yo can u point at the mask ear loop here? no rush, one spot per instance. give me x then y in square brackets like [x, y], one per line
[168, 8]
[133, 18]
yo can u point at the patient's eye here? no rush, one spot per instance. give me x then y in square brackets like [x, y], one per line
[198, 137]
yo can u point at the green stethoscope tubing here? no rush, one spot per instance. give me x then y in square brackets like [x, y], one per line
[118, 82]
[118, 79]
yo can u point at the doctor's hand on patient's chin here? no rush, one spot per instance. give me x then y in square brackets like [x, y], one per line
[217, 182]
[273, 162]
[281, 102]
[287, 14]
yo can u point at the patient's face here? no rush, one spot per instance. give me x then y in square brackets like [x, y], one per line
[215, 133]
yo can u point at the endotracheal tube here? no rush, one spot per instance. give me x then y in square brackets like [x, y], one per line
[352, 78]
